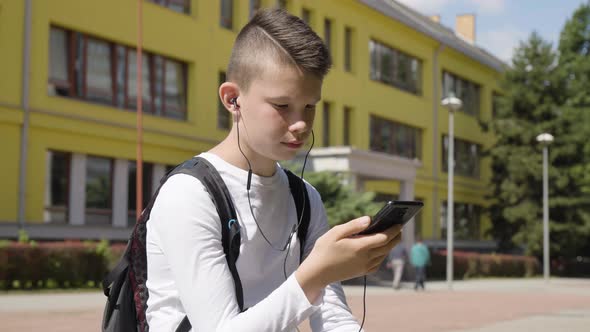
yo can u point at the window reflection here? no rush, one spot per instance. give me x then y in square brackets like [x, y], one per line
[98, 190]
[395, 138]
[147, 174]
[132, 81]
[99, 85]
[466, 225]
[56, 201]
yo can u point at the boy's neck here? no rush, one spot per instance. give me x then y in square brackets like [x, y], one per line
[229, 152]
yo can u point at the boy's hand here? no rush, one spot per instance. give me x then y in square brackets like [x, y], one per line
[340, 254]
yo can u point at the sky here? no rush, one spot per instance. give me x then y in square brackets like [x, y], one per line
[501, 24]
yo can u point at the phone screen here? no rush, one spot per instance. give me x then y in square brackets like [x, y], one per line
[393, 213]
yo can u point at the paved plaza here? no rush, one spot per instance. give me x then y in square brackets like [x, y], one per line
[490, 305]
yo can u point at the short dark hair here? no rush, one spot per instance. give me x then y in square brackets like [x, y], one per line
[275, 35]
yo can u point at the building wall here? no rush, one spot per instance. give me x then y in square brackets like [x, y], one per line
[76, 126]
[9, 167]
[11, 47]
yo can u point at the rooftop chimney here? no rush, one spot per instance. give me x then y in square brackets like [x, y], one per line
[435, 18]
[465, 27]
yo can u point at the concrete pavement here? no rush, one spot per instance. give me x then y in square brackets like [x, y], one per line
[489, 305]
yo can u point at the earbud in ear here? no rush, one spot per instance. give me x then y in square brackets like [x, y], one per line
[234, 101]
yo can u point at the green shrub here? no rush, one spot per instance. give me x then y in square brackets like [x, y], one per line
[475, 265]
[29, 265]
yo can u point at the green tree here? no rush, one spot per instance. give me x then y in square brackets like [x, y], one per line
[342, 203]
[533, 92]
[574, 61]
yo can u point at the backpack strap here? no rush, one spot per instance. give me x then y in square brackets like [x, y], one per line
[301, 197]
[201, 169]
[208, 175]
[230, 228]
[115, 272]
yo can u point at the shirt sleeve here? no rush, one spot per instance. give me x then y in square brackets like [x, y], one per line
[187, 226]
[334, 313]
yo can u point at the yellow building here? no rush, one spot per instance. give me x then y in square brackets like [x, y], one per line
[68, 93]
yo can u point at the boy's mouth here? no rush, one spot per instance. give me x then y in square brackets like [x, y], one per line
[294, 144]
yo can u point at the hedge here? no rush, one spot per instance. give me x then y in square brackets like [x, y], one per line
[68, 264]
[473, 265]
[77, 264]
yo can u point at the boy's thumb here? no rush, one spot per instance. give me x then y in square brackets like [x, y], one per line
[353, 227]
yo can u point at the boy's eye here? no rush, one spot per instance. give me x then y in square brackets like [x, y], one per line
[283, 107]
[310, 107]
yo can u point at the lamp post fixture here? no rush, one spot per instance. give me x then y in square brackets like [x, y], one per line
[453, 104]
[545, 139]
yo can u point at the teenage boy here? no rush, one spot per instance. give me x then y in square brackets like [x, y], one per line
[274, 82]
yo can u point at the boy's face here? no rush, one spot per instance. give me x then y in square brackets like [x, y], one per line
[278, 111]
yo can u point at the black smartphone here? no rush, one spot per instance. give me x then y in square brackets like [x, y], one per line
[393, 213]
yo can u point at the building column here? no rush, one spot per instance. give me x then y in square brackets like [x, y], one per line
[120, 192]
[354, 181]
[48, 162]
[158, 172]
[407, 194]
[77, 199]
[435, 215]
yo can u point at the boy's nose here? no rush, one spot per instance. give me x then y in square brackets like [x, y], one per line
[300, 126]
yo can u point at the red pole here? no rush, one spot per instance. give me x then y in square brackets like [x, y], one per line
[139, 81]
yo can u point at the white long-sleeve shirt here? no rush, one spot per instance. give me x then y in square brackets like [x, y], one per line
[187, 269]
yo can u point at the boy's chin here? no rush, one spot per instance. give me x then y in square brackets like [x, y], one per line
[285, 155]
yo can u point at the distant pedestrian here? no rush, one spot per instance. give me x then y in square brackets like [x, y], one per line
[419, 257]
[397, 259]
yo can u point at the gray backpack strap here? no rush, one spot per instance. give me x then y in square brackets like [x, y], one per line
[301, 197]
[201, 169]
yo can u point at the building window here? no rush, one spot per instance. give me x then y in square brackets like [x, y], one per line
[95, 70]
[147, 173]
[227, 14]
[255, 5]
[306, 16]
[224, 118]
[174, 89]
[132, 81]
[467, 91]
[348, 49]
[466, 217]
[120, 78]
[326, 124]
[179, 6]
[328, 34]
[98, 82]
[56, 201]
[347, 126]
[466, 156]
[396, 68]
[395, 138]
[99, 177]
[59, 70]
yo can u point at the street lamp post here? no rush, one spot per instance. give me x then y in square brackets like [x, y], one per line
[545, 139]
[454, 104]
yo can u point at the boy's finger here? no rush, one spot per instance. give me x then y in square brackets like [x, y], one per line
[376, 240]
[385, 249]
[350, 228]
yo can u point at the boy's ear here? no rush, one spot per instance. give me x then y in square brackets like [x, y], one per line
[227, 92]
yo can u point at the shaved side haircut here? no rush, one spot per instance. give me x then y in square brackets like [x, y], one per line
[275, 37]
